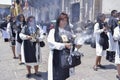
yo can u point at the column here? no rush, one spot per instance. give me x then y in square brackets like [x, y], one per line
[81, 10]
[63, 5]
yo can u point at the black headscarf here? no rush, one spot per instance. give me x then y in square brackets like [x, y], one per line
[61, 16]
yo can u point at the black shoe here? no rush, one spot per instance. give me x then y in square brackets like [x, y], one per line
[28, 75]
[37, 74]
[15, 58]
[101, 66]
[117, 77]
[21, 63]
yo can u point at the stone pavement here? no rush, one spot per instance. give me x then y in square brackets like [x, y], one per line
[11, 70]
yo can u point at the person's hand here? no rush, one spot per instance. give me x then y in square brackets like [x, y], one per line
[104, 28]
[29, 37]
[74, 36]
[78, 46]
[68, 45]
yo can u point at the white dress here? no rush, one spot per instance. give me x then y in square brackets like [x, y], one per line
[111, 42]
[9, 31]
[55, 45]
[35, 56]
[52, 45]
[12, 35]
[116, 37]
[99, 48]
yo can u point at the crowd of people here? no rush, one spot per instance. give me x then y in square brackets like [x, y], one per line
[107, 40]
[25, 37]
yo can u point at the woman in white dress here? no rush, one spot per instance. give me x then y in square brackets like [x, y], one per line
[100, 33]
[20, 23]
[30, 51]
[11, 29]
[57, 44]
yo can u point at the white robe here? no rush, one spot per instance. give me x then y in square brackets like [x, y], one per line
[99, 48]
[59, 46]
[9, 30]
[23, 37]
[116, 37]
[111, 42]
[52, 45]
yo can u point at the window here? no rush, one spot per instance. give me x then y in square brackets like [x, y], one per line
[75, 12]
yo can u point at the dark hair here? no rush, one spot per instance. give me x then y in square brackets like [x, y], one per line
[19, 17]
[100, 15]
[28, 19]
[113, 12]
[12, 18]
[60, 17]
[18, 1]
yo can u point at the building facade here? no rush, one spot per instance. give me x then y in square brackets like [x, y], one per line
[80, 11]
[43, 10]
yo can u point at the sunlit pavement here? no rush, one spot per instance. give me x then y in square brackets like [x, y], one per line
[11, 70]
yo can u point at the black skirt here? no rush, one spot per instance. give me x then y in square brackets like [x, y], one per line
[29, 51]
[58, 72]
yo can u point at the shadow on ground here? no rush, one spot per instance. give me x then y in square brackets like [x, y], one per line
[43, 76]
[110, 66]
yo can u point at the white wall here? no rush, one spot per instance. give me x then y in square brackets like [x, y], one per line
[109, 5]
[5, 2]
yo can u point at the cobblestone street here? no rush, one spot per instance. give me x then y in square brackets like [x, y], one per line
[11, 70]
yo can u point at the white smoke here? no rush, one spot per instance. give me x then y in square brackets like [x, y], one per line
[43, 10]
[81, 38]
[85, 35]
